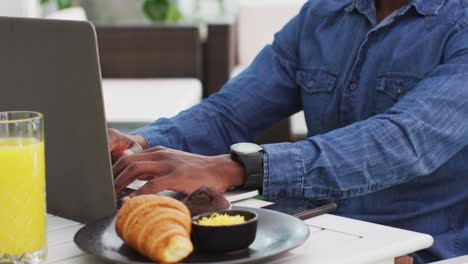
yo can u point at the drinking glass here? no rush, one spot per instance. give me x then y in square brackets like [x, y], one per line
[22, 188]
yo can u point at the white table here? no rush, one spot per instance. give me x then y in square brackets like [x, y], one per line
[332, 240]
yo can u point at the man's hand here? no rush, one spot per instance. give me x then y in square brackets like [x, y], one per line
[167, 169]
[121, 144]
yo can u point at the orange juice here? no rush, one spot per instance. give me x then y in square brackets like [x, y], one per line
[22, 196]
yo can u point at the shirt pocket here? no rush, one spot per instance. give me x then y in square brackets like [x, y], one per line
[317, 87]
[391, 87]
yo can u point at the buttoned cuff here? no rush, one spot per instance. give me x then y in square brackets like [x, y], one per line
[283, 172]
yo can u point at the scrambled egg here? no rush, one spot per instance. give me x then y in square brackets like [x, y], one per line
[221, 220]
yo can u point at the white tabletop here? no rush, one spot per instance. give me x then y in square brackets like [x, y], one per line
[333, 239]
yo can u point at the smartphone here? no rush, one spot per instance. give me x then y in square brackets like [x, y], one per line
[300, 209]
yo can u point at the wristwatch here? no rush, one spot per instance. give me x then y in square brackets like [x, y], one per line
[250, 156]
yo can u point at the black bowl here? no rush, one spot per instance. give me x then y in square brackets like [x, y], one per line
[225, 238]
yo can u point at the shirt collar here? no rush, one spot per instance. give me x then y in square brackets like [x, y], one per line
[423, 7]
[428, 7]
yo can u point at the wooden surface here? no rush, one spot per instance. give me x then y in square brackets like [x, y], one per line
[219, 56]
[150, 51]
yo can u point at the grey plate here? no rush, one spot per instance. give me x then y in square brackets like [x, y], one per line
[276, 233]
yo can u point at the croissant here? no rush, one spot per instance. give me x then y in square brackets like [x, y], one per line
[158, 227]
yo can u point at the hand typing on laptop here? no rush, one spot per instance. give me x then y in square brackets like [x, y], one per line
[168, 169]
[121, 144]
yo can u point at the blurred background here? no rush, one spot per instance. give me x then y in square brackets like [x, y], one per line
[159, 57]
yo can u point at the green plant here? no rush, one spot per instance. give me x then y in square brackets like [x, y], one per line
[222, 6]
[61, 4]
[221, 3]
[163, 11]
[166, 11]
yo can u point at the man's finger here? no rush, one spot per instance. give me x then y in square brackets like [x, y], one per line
[154, 149]
[130, 151]
[404, 260]
[135, 148]
[126, 161]
[112, 138]
[154, 186]
[118, 153]
[140, 169]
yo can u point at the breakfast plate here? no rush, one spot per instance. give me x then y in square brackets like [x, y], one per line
[276, 233]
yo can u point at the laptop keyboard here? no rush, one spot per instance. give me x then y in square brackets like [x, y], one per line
[119, 197]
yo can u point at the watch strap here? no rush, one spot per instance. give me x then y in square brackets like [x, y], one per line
[253, 166]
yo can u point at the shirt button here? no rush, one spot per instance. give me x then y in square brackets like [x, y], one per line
[311, 84]
[353, 87]
[282, 195]
[400, 89]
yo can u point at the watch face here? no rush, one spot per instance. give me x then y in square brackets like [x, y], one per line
[246, 148]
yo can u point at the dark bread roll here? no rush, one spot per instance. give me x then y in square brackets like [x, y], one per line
[205, 199]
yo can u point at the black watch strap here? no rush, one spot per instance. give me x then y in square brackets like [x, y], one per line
[253, 166]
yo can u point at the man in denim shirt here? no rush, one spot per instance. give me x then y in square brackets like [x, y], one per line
[384, 88]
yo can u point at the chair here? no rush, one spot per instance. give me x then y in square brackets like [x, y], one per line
[153, 51]
[149, 72]
[219, 55]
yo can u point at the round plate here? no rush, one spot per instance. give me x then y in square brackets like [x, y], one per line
[276, 234]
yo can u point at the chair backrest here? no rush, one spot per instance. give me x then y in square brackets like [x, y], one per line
[150, 51]
[258, 21]
[219, 56]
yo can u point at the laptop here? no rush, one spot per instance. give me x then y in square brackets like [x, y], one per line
[52, 67]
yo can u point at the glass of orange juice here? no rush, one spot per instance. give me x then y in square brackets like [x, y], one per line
[22, 188]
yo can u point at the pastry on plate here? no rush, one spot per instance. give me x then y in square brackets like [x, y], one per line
[158, 227]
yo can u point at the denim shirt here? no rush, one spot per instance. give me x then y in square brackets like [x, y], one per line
[386, 106]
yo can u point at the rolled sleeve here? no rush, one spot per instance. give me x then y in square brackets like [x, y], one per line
[283, 171]
[154, 135]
